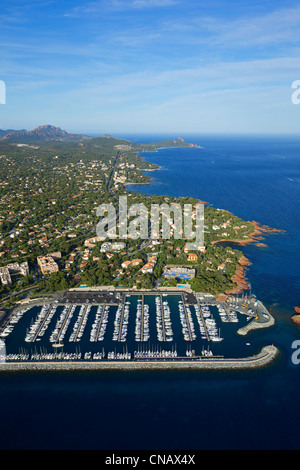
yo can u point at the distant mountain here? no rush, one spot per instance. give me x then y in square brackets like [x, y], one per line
[42, 133]
[9, 131]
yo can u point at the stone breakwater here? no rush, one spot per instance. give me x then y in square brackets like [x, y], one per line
[262, 359]
[256, 325]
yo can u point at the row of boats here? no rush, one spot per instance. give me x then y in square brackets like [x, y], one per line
[66, 356]
[98, 356]
[202, 313]
[142, 331]
[113, 355]
[188, 328]
[207, 324]
[121, 323]
[163, 320]
[45, 356]
[154, 354]
[100, 324]
[227, 315]
[62, 324]
[39, 327]
[80, 324]
[14, 319]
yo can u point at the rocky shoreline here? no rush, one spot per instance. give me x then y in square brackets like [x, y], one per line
[239, 277]
[255, 237]
[296, 318]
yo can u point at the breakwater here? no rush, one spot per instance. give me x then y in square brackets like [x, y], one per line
[265, 357]
[265, 320]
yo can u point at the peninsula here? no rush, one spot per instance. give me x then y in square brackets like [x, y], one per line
[51, 186]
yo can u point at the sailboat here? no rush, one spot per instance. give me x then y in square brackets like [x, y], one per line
[217, 338]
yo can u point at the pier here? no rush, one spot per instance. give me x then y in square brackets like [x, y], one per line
[99, 325]
[187, 322]
[142, 333]
[62, 325]
[80, 323]
[201, 321]
[163, 320]
[262, 320]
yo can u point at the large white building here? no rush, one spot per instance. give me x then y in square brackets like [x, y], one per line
[13, 269]
[112, 247]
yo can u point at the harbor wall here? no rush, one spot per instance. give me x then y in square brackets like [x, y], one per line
[266, 356]
[255, 325]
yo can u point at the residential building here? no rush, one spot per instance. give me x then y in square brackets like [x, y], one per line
[107, 247]
[192, 257]
[13, 269]
[47, 265]
[132, 263]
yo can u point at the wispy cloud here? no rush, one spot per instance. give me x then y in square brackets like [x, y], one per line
[98, 7]
[148, 88]
[280, 25]
[145, 3]
[164, 62]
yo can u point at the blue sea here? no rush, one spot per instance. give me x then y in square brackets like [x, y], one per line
[256, 178]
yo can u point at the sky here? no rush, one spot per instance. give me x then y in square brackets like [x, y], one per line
[151, 66]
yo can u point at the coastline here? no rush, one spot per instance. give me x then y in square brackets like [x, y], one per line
[255, 236]
[175, 147]
[239, 278]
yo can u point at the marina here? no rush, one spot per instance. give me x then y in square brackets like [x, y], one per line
[140, 327]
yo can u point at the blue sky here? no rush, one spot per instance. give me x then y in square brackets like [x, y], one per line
[138, 66]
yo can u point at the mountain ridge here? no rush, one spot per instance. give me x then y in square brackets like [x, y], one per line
[41, 133]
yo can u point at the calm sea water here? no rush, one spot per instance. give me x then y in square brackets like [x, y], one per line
[256, 179]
